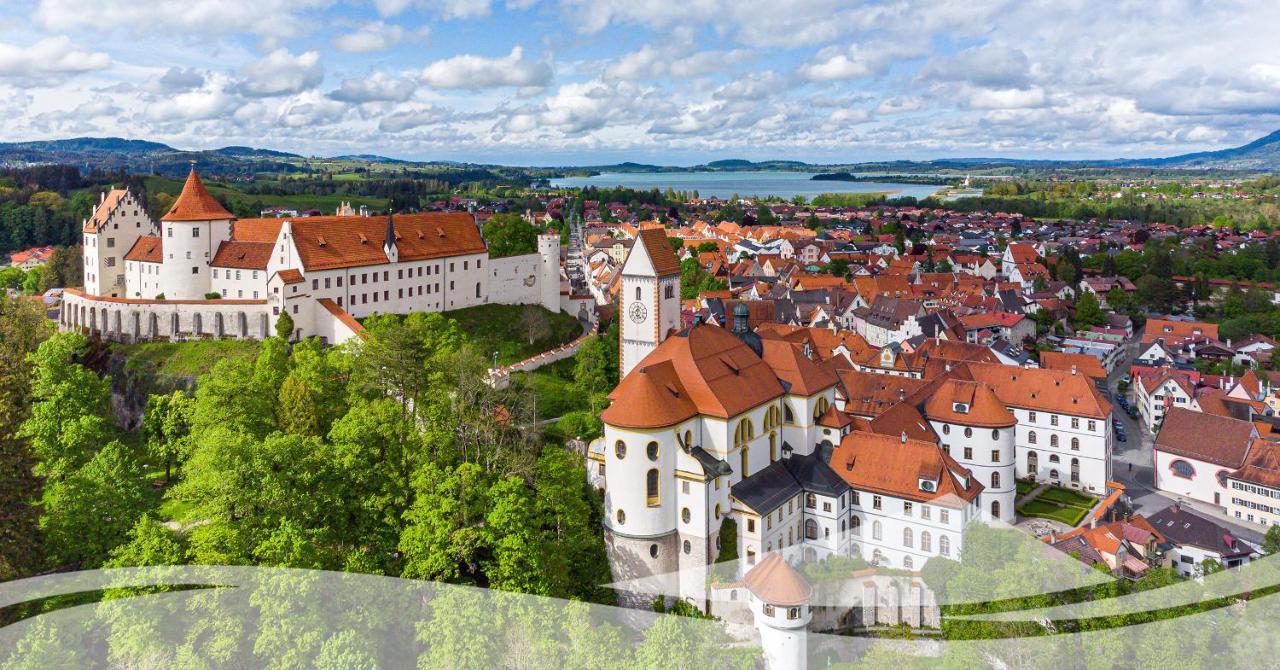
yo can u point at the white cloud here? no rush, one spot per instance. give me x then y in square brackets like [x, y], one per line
[282, 73]
[197, 17]
[181, 79]
[49, 56]
[1007, 98]
[374, 88]
[370, 37]
[210, 101]
[651, 63]
[863, 59]
[477, 72]
[310, 110]
[445, 9]
[416, 117]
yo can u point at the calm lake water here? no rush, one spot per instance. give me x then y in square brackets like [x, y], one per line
[745, 184]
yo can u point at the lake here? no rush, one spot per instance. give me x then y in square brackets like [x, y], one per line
[745, 184]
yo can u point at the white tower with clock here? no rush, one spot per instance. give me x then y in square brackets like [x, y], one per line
[650, 300]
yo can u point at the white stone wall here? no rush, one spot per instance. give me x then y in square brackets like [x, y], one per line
[238, 283]
[130, 320]
[1251, 503]
[189, 246]
[893, 518]
[1093, 453]
[142, 279]
[985, 452]
[1203, 485]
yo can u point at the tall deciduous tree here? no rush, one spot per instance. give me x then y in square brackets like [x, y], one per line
[90, 511]
[22, 327]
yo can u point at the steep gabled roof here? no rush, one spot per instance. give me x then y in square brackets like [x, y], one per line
[242, 255]
[1205, 437]
[893, 466]
[104, 209]
[656, 246]
[981, 406]
[147, 249]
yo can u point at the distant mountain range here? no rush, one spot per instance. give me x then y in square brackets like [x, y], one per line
[113, 153]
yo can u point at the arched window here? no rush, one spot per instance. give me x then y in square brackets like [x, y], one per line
[995, 509]
[906, 537]
[773, 447]
[651, 487]
[1075, 471]
[1222, 478]
[1053, 458]
[745, 461]
[907, 562]
[637, 293]
[651, 450]
[944, 545]
[946, 429]
[478, 295]
[1075, 444]
[622, 517]
[687, 546]
[744, 432]
[772, 417]
[820, 407]
[875, 530]
[1033, 462]
[787, 414]
[1182, 469]
[968, 432]
[1031, 437]
[685, 515]
[811, 529]
[1053, 440]
[995, 433]
[855, 524]
[620, 449]
[926, 541]
[995, 480]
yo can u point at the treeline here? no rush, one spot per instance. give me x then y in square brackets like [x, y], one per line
[392, 458]
[1181, 213]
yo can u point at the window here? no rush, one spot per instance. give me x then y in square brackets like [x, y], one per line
[768, 610]
[944, 545]
[751, 525]
[855, 498]
[787, 414]
[653, 550]
[685, 515]
[195, 232]
[820, 407]
[995, 509]
[651, 488]
[1093, 425]
[793, 613]
[906, 537]
[1182, 469]
[1075, 471]
[926, 512]
[1031, 437]
[907, 562]
[651, 450]
[968, 432]
[811, 501]
[944, 516]
[169, 231]
[1053, 419]
[875, 502]
[620, 449]
[637, 293]
[968, 452]
[669, 291]
[946, 429]
[875, 530]
[906, 508]
[1053, 440]
[622, 517]
[855, 525]
[995, 480]
[1075, 444]
[926, 541]
[811, 529]
[687, 547]
[1031, 416]
[995, 455]
[195, 271]
[745, 462]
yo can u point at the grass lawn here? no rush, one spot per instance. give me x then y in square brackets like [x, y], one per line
[185, 359]
[175, 510]
[553, 385]
[1025, 487]
[499, 328]
[1066, 497]
[1067, 514]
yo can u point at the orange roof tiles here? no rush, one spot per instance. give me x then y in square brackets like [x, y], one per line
[328, 242]
[195, 203]
[982, 407]
[1083, 363]
[805, 376]
[147, 249]
[242, 255]
[341, 315]
[775, 582]
[702, 370]
[1040, 389]
[290, 276]
[104, 209]
[887, 464]
[659, 250]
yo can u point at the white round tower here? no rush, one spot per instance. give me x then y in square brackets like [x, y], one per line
[190, 234]
[780, 606]
[977, 430]
[549, 271]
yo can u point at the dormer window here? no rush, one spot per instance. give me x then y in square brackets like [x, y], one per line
[928, 485]
[960, 408]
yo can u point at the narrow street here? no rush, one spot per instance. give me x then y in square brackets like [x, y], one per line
[1133, 461]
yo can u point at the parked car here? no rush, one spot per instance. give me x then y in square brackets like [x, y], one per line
[1120, 436]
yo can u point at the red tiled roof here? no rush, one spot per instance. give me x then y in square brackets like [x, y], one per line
[147, 249]
[290, 276]
[104, 209]
[887, 464]
[328, 242]
[242, 255]
[195, 203]
[659, 250]
[777, 583]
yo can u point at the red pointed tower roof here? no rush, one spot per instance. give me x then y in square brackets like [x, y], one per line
[195, 203]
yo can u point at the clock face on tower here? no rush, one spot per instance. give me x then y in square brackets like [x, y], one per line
[638, 312]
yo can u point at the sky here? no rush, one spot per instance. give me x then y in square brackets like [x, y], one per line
[580, 82]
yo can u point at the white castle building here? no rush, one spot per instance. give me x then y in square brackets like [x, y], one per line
[202, 273]
[712, 424]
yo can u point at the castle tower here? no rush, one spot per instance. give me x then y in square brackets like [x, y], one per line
[977, 430]
[549, 271]
[650, 300]
[190, 234]
[115, 224]
[780, 606]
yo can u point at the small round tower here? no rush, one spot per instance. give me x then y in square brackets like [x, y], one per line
[780, 606]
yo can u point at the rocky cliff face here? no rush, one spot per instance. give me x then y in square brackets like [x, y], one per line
[132, 383]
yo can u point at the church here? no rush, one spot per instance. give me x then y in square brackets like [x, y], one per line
[714, 427]
[202, 273]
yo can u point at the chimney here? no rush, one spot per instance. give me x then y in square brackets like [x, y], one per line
[1053, 537]
[904, 437]
[1073, 370]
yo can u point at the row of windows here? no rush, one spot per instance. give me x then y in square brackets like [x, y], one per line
[620, 450]
[968, 432]
[1257, 490]
[968, 453]
[227, 274]
[1053, 440]
[1253, 505]
[668, 292]
[908, 537]
[1075, 421]
[908, 507]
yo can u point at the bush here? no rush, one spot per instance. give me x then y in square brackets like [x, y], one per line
[212, 295]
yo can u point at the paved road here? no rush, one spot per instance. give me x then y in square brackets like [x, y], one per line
[1133, 463]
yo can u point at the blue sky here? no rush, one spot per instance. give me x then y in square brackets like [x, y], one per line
[555, 82]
